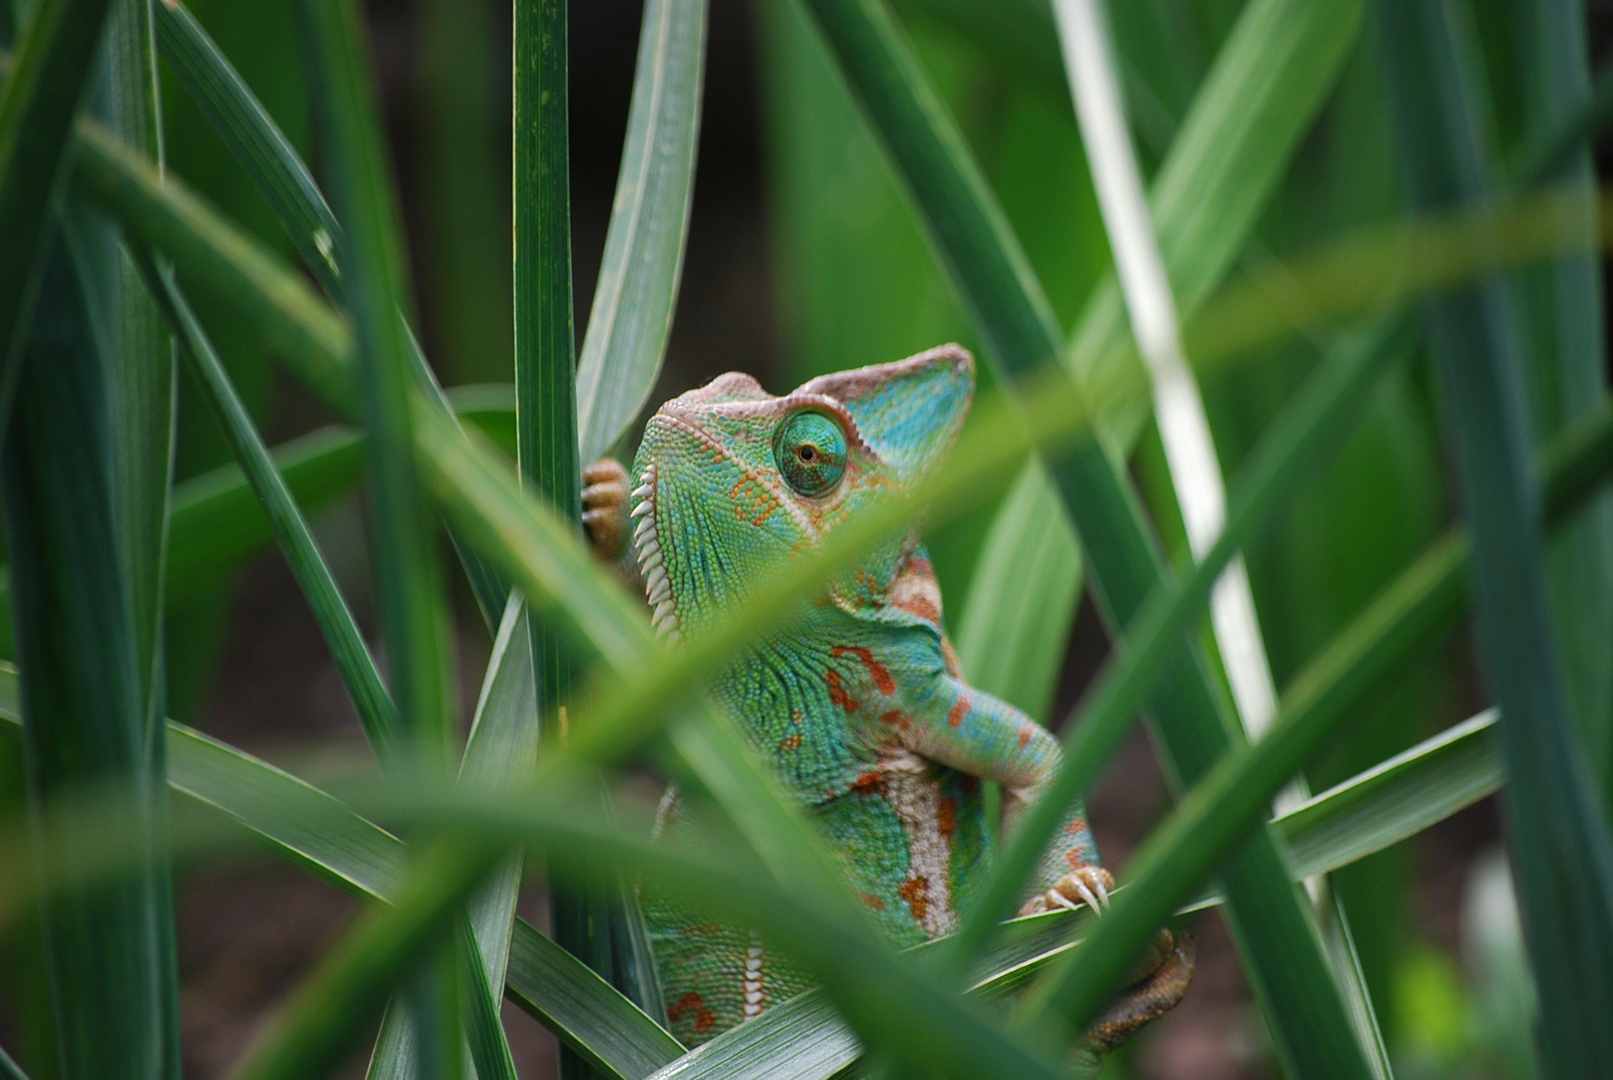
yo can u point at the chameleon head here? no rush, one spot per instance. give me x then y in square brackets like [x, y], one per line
[731, 479]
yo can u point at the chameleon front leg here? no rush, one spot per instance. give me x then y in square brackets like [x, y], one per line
[973, 731]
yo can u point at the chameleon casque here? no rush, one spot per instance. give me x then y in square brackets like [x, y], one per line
[859, 705]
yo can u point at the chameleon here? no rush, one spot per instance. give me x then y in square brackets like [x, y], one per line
[859, 706]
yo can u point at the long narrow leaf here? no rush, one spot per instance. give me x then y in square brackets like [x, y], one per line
[638, 278]
[1560, 844]
[335, 619]
[37, 103]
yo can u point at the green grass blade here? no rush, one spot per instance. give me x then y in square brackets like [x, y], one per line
[503, 741]
[1398, 798]
[9, 1069]
[267, 295]
[584, 1011]
[1022, 567]
[83, 706]
[546, 381]
[352, 656]
[286, 184]
[251, 134]
[1560, 845]
[144, 420]
[413, 617]
[1560, 305]
[37, 103]
[638, 278]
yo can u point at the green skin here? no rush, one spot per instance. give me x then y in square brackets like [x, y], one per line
[858, 705]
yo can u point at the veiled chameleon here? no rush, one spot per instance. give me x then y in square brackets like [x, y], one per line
[859, 706]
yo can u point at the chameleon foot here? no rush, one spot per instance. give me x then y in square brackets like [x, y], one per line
[1163, 982]
[1087, 885]
[604, 503]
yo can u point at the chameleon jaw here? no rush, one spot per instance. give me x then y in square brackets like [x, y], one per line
[651, 562]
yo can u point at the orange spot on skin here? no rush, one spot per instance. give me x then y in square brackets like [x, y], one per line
[872, 901]
[958, 711]
[1076, 827]
[704, 1019]
[946, 816]
[1075, 860]
[837, 693]
[685, 1005]
[876, 671]
[791, 743]
[795, 717]
[1025, 734]
[895, 718]
[869, 783]
[752, 501]
[916, 891]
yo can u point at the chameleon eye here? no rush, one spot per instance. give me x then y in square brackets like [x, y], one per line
[811, 452]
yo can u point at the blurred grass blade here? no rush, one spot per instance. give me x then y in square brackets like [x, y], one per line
[414, 622]
[348, 986]
[410, 587]
[37, 102]
[503, 744]
[342, 635]
[9, 1069]
[1022, 599]
[638, 278]
[1260, 98]
[1561, 308]
[1552, 806]
[318, 833]
[269, 298]
[253, 137]
[286, 184]
[83, 704]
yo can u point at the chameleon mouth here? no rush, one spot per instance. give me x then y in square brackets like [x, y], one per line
[652, 563]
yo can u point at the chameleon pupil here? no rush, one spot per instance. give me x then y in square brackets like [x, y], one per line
[811, 452]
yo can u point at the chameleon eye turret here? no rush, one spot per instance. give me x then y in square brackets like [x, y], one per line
[811, 452]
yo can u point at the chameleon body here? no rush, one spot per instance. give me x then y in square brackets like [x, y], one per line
[859, 704]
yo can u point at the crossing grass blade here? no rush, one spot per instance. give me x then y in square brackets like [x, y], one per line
[260, 146]
[1395, 799]
[37, 102]
[1561, 316]
[352, 656]
[83, 701]
[1555, 816]
[638, 278]
[413, 618]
